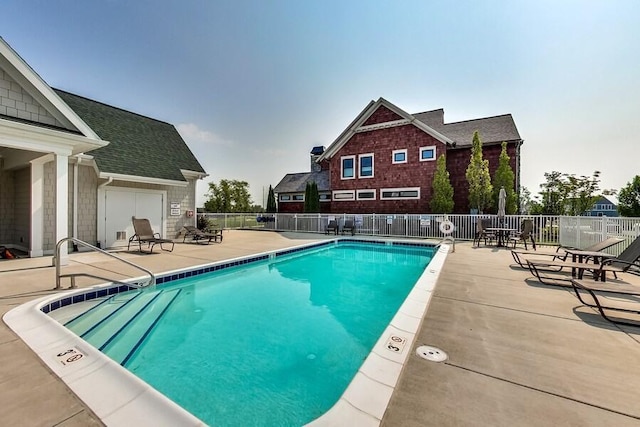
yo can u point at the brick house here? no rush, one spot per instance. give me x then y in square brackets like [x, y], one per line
[71, 166]
[384, 161]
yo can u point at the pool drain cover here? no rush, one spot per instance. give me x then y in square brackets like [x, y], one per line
[433, 354]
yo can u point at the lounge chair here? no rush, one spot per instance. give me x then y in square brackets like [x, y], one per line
[144, 234]
[481, 231]
[560, 254]
[624, 292]
[603, 263]
[199, 236]
[332, 227]
[526, 230]
[349, 227]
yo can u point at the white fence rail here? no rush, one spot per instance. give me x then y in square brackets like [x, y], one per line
[548, 229]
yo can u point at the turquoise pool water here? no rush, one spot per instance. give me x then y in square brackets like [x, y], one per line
[274, 342]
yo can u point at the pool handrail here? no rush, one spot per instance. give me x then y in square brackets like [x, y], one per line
[72, 276]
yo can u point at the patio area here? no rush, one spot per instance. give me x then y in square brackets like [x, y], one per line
[520, 353]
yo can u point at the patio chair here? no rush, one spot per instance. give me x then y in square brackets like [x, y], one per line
[626, 262]
[525, 233]
[625, 295]
[144, 234]
[349, 226]
[199, 236]
[560, 254]
[332, 227]
[481, 231]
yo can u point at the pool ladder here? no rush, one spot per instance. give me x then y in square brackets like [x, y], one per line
[72, 276]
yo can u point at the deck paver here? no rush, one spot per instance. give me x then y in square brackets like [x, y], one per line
[519, 353]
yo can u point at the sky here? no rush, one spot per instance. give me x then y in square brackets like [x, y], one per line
[253, 86]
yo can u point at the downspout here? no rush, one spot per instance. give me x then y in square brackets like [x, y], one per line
[104, 184]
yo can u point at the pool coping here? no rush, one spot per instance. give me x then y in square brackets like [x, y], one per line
[118, 397]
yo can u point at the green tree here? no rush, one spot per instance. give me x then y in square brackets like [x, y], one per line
[629, 198]
[311, 197]
[442, 194]
[271, 201]
[566, 194]
[582, 193]
[480, 188]
[504, 177]
[228, 196]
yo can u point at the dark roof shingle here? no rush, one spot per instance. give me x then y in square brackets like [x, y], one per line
[297, 182]
[491, 129]
[138, 145]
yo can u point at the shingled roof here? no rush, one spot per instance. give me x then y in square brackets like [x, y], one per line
[492, 130]
[139, 145]
[297, 182]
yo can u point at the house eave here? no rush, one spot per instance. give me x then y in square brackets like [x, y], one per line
[141, 179]
[189, 174]
[24, 75]
[24, 136]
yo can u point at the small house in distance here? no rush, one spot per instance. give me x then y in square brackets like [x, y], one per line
[604, 206]
[384, 161]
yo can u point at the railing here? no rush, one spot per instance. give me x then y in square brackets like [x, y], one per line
[72, 276]
[547, 229]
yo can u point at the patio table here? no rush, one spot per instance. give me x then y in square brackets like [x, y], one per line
[581, 256]
[502, 233]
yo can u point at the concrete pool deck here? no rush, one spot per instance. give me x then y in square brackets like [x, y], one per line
[519, 353]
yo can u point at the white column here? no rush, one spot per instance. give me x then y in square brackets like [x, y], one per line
[36, 241]
[62, 204]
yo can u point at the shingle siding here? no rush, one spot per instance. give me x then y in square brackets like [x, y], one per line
[16, 102]
[414, 173]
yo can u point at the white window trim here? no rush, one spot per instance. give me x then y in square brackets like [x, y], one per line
[383, 190]
[393, 156]
[325, 200]
[431, 147]
[360, 156]
[337, 193]
[358, 192]
[291, 195]
[342, 159]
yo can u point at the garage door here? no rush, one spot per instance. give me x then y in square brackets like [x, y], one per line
[122, 204]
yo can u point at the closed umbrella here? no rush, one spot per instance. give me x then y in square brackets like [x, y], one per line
[502, 201]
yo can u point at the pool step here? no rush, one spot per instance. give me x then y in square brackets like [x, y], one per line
[82, 323]
[103, 332]
[134, 333]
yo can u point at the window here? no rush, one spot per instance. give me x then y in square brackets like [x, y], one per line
[427, 153]
[343, 195]
[366, 194]
[400, 193]
[399, 156]
[325, 197]
[366, 165]
[292, 197]
[348, 167]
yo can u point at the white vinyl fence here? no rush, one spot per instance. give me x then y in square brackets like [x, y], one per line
[547, 230]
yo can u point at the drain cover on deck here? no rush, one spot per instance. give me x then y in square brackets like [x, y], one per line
[432, 354]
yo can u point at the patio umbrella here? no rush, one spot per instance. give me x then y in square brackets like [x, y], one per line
[502, 201]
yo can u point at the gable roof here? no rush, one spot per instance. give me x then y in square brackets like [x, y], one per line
[139, 146]
[297, 182]
[492, 130]
[40, 91]
[357, 125]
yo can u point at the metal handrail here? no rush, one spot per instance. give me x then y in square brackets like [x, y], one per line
[72, 276]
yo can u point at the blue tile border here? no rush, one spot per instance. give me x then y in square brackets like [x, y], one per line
[169, 277]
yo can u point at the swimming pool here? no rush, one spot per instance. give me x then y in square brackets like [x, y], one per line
[262, 325]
